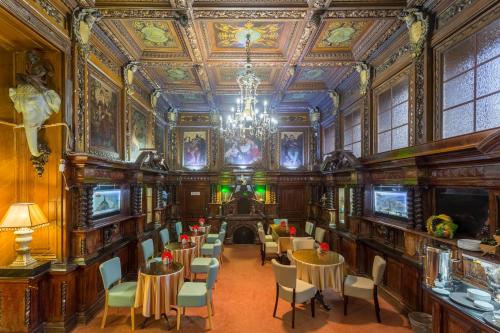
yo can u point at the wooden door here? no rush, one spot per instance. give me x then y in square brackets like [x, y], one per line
[194, 198]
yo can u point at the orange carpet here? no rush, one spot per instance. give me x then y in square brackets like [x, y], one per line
[244, 300]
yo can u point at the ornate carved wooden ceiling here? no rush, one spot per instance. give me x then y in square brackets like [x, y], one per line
[194, 49]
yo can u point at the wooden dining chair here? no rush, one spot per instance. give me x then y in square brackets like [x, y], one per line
[365, 288]
[148, 250]
[291, 289]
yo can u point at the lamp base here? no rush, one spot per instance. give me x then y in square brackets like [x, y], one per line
[23, 238]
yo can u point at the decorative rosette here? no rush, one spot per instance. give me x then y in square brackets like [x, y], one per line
[184, 239]
[166, 257]
[293, 231]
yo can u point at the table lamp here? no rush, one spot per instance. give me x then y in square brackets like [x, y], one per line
[23, 218]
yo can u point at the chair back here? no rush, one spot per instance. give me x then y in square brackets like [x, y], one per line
[222, 235]
[300, 243]
[309, 228]
[164, 236]
[278, 221]
[223, 226]
[262, 235]
[178, 228]
[378, 269]
[260, 225]
[111, 272]
[212, 273]
[319, 235]
[148, 249]
[217, 248]
[286, 275]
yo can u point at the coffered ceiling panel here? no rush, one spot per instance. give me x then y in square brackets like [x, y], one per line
[194, 50]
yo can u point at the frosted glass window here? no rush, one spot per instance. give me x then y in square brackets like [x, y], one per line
[471, 83]
[352, 132]
[392, 118]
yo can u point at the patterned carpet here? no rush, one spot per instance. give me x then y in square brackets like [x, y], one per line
[244, 300]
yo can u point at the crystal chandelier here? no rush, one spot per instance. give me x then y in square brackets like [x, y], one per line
[246, 120]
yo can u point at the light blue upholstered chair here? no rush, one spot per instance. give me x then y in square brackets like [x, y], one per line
[201, 265]
[208, 249]
[178, 228]
[148, 250]
[211, 238]
[198, 294]
[165, 236]
[309, 229]
[120, 295]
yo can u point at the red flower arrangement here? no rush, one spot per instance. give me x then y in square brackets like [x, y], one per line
[283, 224]
[324, 247]
[293, 231]
[196, 228]
[183, 238]
[167, 257]
[201, 220]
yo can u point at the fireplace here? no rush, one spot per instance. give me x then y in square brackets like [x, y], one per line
[244, 235]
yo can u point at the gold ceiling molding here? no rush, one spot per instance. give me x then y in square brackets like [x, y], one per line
[115, 40]
[250, 14]
[123, 13]
[311, 27]
[327, 63]
[362, 13]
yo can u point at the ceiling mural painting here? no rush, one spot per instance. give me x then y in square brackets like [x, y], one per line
[262, 34]
[155, 34]
[297, 55]
[340, 35]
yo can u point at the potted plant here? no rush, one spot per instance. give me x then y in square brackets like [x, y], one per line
[184, 239]
[323, 248]
[166, 257]
[488, 246]
[441, 226]
[293, 231]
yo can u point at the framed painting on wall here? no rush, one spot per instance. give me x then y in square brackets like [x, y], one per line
[160, 137]
[242, 153]
[194, 150]
[138, 132]
[104, 116]
[291, 149]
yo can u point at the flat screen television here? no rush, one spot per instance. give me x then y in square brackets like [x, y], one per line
[106, 202]
[469, 208]
[390, 201]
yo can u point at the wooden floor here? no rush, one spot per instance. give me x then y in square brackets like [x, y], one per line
[244, 301]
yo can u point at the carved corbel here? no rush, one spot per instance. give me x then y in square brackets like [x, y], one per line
[155, 96]
[335, 98]
[418, 28]
[129, 71]
[364, 77]
[83, 22]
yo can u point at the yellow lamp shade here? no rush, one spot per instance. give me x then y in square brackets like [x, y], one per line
[24, 215]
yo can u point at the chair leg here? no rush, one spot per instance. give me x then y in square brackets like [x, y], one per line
[312, 307]
[209, 308]
[293, 309]
[105, 314]
[132, 318]
[377, 306]
[276, 302]
[179, 309]
[346, 299]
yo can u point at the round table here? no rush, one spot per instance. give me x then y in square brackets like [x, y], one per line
[183, 254]
[199, 239]
[324, 271]
[157, 287]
